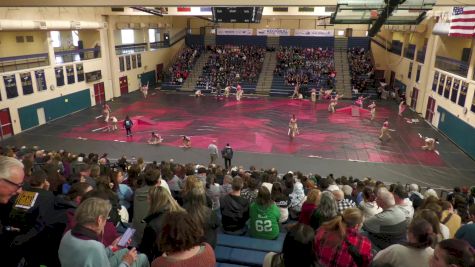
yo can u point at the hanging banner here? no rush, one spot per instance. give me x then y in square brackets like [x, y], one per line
[328, 33]
[455, 91]
[435, 81]
[127, 62]
[121, 64]
[441, 84]
[221, 31]
[26, 83]
[40, 80]
[10, 86]
[139, 60]
[70, 74]
[463, 94]
[448, 86]
[80, 72]
[134, 61]
[273, 32]
[59, 73]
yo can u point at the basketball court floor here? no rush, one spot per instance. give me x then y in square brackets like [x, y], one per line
[256, 128]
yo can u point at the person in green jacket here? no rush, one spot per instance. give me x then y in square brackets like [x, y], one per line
[264, 216]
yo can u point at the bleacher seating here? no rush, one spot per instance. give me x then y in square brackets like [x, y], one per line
[245, 250]
[362, 72]
[361, 42]
[176, 74]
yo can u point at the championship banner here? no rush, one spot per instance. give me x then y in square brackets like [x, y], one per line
[26, 83]
[121, 64]
[435, 81]
[134, 61]
[80, 72]
[139, 60]
[455, 91]
[127, 62]
[59, 73]
[273, 32]
[441, 84]
[463, 94]
[448, 86]
[246, 32]
[40, 80]
[70, 74]
[313, 33]
[10, 86]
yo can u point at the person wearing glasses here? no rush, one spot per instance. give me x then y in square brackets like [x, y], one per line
[11, 178]
[11, 183]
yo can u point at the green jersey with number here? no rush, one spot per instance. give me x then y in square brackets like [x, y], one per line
[264, 221]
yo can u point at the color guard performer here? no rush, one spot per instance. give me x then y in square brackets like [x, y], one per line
[372, 109]
[186, 142]
[360, 101]
[227, 91]
[198, 93]
[402, 107]
[332, 105]
[238, 92]
[296, 91]
[313, 95]
[385, 130]
[113, 124]
[293, 127]
[145, 90]
[429, 143]
[155, 139]
[106, 110]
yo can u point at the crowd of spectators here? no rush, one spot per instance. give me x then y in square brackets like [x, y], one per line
[306, 66]
[80, 204]
[229, 65]
[180, 70]
[361, 68]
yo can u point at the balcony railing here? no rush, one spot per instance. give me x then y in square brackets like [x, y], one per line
[451, 65]
[77, 55]
[157, 45]
[23, 62]
[130, 49]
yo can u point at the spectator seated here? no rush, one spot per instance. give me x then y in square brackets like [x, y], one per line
[177, 74]
[308, 67]
[229, 65]
[361, 70]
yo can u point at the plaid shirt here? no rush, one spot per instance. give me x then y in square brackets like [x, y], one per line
[344, 204]
[329, 253]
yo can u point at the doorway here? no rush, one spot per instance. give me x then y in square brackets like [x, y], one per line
[414, 95]
[99, 93]
[430, 109]
[6, 128]
[124, 85]
[40, 112]
[159, 72]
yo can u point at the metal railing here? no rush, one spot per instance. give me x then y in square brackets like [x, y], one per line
[456, 67]
[23, 62]
[130, 49]
[77, 55]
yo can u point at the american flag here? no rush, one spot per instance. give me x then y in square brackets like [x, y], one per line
[462, 23]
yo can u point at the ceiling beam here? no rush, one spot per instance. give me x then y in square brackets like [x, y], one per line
[384, 15]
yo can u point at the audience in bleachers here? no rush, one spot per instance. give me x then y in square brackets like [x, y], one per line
[361, 68]
[399, 226]
[309, 67]
[230, 65]
[177, 73]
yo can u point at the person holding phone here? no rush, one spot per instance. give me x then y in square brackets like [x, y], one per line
[81, 245]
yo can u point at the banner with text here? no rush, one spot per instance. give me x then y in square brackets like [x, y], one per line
[10, 86]
[234, 31]
[26, 83]
[314, 33]
[273, 32]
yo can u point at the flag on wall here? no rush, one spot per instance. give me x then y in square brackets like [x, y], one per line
[183, 9]
[462, 22]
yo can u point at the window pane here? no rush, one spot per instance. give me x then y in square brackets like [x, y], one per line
[127, 36]
[151, 35]
[56, 39]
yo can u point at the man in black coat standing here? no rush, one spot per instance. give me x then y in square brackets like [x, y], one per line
[227, 154]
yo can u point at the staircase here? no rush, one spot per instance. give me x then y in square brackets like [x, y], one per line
[267, 73]
[210, 39]
[273, 42]
[190, 83]
[343, 76]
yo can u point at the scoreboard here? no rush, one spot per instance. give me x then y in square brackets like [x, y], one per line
[237, 14]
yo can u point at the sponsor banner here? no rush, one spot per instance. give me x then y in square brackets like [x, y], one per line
[273, 32]
[10, 86]
[313, 33]
[26, 83]
[221, 31]
[40, 80]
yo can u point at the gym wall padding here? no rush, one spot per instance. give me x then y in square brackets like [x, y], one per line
[54, 108]
[458, 131]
